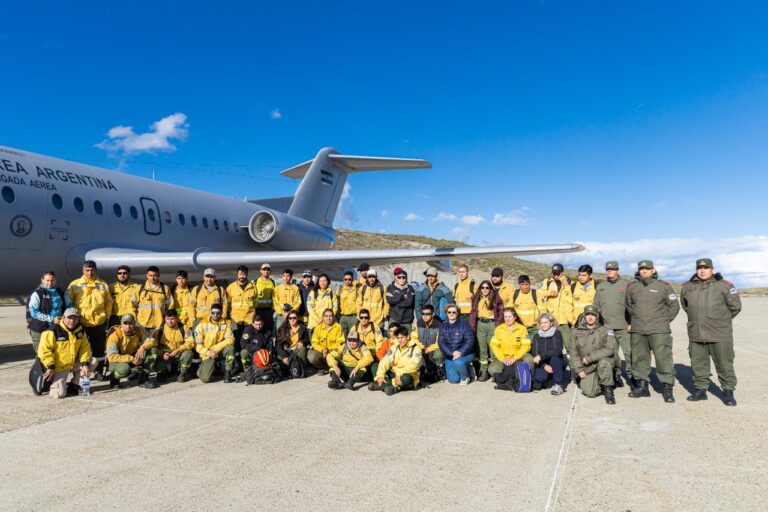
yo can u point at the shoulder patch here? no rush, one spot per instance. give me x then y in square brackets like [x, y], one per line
[610, 332]
[734, 291]
[672, 296]
[246, 336]
[653, 291]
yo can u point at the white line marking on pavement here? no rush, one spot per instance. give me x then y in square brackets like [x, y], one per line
[565, 446]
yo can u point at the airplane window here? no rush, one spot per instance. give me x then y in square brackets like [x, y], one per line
[194, 221]
[98, 208]
[151, 215]
[79, 205]
[9, 195]
[167, 216]
[117, 209]
[234, 227]
[57, 201]
[181, 219]
[134, 212]
[226, 226]
[216, 224]
[205, 222]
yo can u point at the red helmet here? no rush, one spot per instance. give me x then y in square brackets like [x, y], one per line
[261, 358]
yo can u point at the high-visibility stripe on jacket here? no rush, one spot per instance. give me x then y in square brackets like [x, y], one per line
[151, 304]
[317, 302]
[561, 307]
[286, 294]
[463, 292]
[582, 297]
[169, 339]
[92, 298]
[347, 300]
[182, 306]
[121, 347]
[507, 344]
[402, 361]
[528, 305]
[61, 348]
[373, 298]
[202, 299]
[359, 357]
[371, 336]
[327, 337]
[265, 290]
[242, 302]
[210, 335]
[121, 298]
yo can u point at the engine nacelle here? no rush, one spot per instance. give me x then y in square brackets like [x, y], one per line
[283, 232]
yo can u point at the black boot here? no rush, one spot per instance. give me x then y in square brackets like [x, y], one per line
[608, 394]
[350, 384]
[162, 377]
[335, 382]
[666, 392]
[484, 376]
[633, 383]
[228, 377]
[699, 394]
[728, 398]
[617, 379]
[374, 386]
[145, 382]
[114, 382]
[183, 377]
[641, 390]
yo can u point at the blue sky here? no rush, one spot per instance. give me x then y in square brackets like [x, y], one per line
[638, 129]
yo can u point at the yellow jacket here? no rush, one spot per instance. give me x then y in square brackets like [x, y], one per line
[265, 290]
[242, 302]
[151, 304]
[173, 339]
[122, 347]
[325, 299]
[372, 336]
[286, 294]
[582, 298]
[402, 361]
[61, 348]
[374, 299]
[121, 298]
[528, 309]
[92, 298]
[210, 335]
[359, 358]
[463, 292]
[505, 291]
[347, 300]
[182, 306]
[561, 307]
[506, 344]
[202, 299]
[327, 338]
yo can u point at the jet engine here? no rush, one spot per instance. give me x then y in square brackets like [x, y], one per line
[283, 232]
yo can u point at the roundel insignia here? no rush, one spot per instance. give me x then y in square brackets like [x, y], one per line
[21, 226]
[246, 336]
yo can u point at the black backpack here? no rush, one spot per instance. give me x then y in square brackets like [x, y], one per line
[36, 378]
[269, 375]
[295, 366]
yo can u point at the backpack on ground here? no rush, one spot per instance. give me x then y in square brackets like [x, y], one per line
[37, 378]
[295, 366]
[515, 378]
[270, 374]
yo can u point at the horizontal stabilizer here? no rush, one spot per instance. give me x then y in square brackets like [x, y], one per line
[352, 164]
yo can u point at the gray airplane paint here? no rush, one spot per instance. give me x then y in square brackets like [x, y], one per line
[55, 213]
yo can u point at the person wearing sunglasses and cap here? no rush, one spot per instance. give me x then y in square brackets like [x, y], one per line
[131, 353]
[347, 293]
[64, 350]
[711, 304]
[264, 299]
[371, 296]
[559, 301]
[435, 293]
[652, 305]
[401, 298]
[122, 291]
[204, 295]
[213, 340]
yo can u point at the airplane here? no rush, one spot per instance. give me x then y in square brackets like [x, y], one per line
[55, 214]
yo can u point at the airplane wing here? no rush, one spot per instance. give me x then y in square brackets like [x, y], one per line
[201, 258]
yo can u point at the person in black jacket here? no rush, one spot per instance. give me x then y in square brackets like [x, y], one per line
[401, 298]
[255, 336]
[547, 352]
[292, 341]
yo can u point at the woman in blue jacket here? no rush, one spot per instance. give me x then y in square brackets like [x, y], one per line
[457, 343]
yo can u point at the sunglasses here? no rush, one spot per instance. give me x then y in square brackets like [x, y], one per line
[293, 318]
[122, 273]
[347, 278]
[427, 314]
[452, 312]
[485, 287]
[215, 313]
[364, 317]
[401, 277]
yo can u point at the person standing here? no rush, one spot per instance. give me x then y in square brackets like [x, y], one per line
[320, 299]
[371, 296]
[181, 294]
[242, 296]
[610, 299]
[286, 298]
[265, 290]
[486, 314]
[652, 305]
[401, 298]
[123, 291]
[435, 293]
[711, 304]
[348, 303]
[205, 295]
[306, 285]
[503, 288]
[528, 303]
[583, 292]
[152, 299]
[45, 308]
[463, 291]
[559, 301]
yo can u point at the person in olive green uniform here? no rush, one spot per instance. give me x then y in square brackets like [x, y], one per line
[610, 299]
[591, 353]
[711, 304]
[652, 305]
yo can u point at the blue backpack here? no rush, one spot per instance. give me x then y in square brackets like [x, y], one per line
[515, 378]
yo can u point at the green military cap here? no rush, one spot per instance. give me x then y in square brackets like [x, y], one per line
[645, 263]
[704, 262]
[612, 265]
[591, 309]
[127, 319]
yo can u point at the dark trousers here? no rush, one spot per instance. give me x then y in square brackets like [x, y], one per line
[558, 370]
[97, 337]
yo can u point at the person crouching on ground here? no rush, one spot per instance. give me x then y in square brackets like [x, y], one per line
[64, 349]
[591, 354]
[399, 370]
[214, 338]
[349, 363]
[175, 349]
[457, 343]
[131, 353]
[548, 358]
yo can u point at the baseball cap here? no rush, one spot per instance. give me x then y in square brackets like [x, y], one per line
[71, 312]
[612, 265]
[704, 262]
[363, 266]
[266, 266]
[431, 271]
[306, 273]
[209, 272]
[372, 272]
[127, 319]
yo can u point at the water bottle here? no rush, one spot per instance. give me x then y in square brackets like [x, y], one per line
[85, 387]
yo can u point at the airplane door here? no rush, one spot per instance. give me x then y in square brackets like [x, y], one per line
[152, 224]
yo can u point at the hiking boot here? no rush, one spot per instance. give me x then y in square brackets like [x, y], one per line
[472, 373]
[440, 372]
[73, 389]
[162, 377]
[699, 394]
[389, 390]
[145, 382]
[728, 398]
[641, 390]
[608, 394]
[666, 393]
[632, 383]
[322, 372]
[350, 384]
[374, 386]
[335, 382]
[484, 376]
[183, 377]
[557, 390]
[228, 377]
[618, 381]
[114, 382]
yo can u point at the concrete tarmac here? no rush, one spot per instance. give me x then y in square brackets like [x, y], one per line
[299, 445]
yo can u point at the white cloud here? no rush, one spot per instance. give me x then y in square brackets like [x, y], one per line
[461, 234]
[122, 139]
[741, 260]
[346, 212]
[412, 217]
[444, 216]
[513, 218]
[276, 114]
[384, 214]
[473, 220]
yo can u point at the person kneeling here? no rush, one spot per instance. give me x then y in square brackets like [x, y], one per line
[509, 344]
[175, 349]
[349, 363]
[327, 336]
[131, 353]
[256, 336]
[547, 352]
[399, 370]
[592, 348]
[457, 342]
[213, 339]
[64, 349]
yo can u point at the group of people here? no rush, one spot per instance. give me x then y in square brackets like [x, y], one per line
[364, 333]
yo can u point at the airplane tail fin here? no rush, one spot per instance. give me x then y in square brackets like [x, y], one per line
[323, 179]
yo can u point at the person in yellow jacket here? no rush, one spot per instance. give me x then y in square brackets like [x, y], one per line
[347, 302]
[213, 339]
[64, 349]
[131, 352]
[93, 300]
[583, 292]
[203, 296]
[122, 292]
[327, 336]
[503, 288]
[371, 296]
[510, 344]
[463, 291]
[399, 370]
[349, 363]
[559, 301]
[286, 298]
[175, 348]
[242, 301]
[320, 299]
[181, 294]
[265, 294]
[152, 299]
[362, 275]
[368, 333]
[528, 304]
